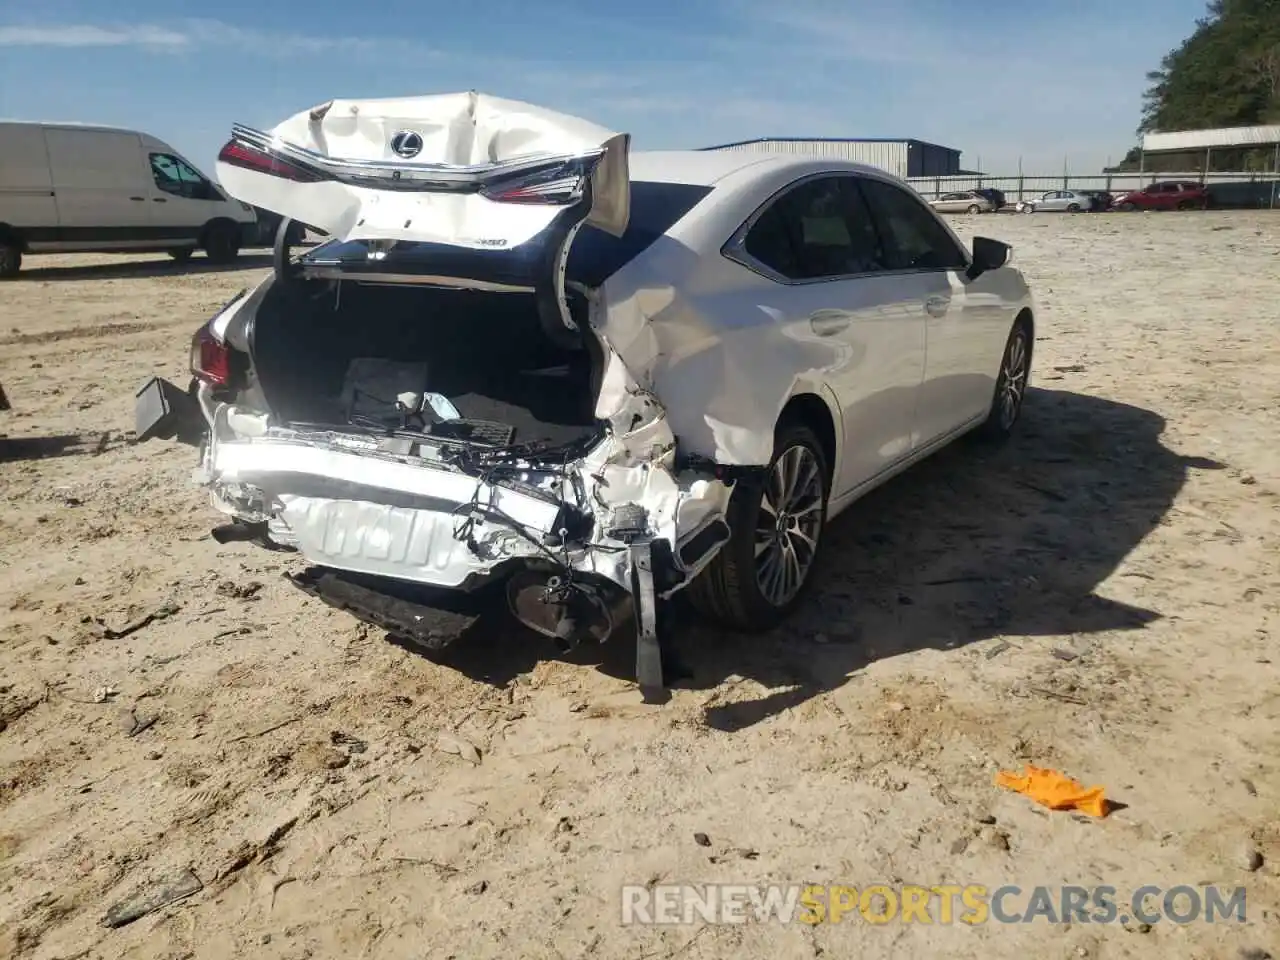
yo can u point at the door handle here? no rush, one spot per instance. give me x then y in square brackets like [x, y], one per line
[159, 200]
[827, 323]
[936, 306]
[137, 199]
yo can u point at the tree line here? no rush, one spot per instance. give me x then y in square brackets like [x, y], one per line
[1226, 74]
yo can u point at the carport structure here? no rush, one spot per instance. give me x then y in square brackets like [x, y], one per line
[1201, 144]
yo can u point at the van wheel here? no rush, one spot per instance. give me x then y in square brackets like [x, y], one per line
[222, 243]
[777, 521]
[181, 254]
[10, 259]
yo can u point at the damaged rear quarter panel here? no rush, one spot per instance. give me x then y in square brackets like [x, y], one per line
[697, 330]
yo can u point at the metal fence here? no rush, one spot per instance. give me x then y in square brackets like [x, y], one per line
[1021, 187]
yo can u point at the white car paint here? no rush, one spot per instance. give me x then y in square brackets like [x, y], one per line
[468, 131]
[697, 346]
[75, 187]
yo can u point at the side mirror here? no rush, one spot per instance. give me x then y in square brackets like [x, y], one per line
[988, 254]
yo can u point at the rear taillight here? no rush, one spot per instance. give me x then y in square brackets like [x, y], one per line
[558, 185]
[210, 358]
[239, 154]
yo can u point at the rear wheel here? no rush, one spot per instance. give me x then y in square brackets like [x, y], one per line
[222, 242]
[1127, 207]
[181, 254]
[762, 573]
[1073, 208]
[1011, 385]
[974, 208]
[10, 258]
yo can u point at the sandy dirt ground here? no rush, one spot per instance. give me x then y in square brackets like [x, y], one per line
[1101, 596]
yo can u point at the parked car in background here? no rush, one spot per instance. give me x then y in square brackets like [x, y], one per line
[1057, 201]
[1102, 200]
[74, 188]
[445, 399]
[968, 201]
[995, 196]
[1166, 195]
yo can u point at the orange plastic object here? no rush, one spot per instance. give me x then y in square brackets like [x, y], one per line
[1055, 790]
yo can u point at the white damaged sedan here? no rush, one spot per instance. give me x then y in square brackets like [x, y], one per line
[534, 368]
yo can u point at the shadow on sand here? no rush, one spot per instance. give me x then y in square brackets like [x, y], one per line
[970, 544]
[162, 266]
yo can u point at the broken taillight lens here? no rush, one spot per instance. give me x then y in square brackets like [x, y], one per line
[210, 358]
[239, 154]
[558, 185]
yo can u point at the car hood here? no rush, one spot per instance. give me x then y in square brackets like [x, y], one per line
[464, 169]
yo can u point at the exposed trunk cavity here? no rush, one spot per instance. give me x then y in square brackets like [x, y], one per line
[313, 343]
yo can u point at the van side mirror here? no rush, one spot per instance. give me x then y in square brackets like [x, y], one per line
[988, 254]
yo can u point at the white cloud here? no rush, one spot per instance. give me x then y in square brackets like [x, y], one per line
[194, 33]
[86, 35]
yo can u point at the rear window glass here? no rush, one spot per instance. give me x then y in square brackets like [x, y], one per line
[593, 258]
[655, 208]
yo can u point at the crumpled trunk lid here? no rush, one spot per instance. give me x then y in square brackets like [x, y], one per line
[465, 169]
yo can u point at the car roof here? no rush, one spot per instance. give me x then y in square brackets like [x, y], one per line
[707, 167]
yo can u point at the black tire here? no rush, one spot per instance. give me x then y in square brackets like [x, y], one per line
[1028, 208]
[181, 254]
[10, 259]
[1073, 208]
[1126, 208]
[222, 242]
[974, 208]
[729, 590]
[1000, 422]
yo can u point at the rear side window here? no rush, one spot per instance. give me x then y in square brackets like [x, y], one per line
[819, 229]
[914, 238]
[655, 208]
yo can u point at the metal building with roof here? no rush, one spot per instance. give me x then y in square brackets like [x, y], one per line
[1191, 148]
[901, 157]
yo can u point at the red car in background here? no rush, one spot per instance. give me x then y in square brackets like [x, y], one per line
[1166, 195]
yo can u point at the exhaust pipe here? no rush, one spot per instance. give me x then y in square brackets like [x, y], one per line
[569, 612]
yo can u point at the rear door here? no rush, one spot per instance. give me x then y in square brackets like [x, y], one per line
[818, 245]
[961, 319]
[99, 187]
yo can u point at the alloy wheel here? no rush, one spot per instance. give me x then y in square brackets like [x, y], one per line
[789, 525]
[1013, 379]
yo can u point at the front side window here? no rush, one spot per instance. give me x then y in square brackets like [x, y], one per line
[820, 229]
[172, 175]
[914, 238]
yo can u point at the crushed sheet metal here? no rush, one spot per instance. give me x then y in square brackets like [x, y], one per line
[429, 544]
[459, 130]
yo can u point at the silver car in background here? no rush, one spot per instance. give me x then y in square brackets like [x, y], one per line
[966, 202]
[1057, 201]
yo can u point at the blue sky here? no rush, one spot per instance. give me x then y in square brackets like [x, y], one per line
[1042, 80]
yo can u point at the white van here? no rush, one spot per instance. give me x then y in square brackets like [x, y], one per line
[74, 188]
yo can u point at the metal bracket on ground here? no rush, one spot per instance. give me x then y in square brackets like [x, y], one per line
[648, 650]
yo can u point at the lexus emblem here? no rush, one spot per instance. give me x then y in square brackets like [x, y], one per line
[406, 144]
